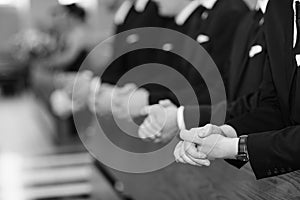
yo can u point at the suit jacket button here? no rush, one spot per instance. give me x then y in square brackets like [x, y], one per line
[168, 47]
[269, 173]
[204, 15]
[131, 39]
[262, 21]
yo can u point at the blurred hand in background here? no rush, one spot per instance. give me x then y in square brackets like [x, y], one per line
[161, 122]
[72, 92]
[108, 99]
[129, 101]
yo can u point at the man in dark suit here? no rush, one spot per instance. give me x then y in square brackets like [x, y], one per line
[268, 134]
[211, 24]
[132, 14]
[204, 22]
[245, 66]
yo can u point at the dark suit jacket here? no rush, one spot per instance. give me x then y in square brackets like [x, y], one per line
[275, 152]
[134, 19]
[219, 25]
[244, 74]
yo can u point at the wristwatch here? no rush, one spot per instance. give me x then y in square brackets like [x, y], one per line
[242, 149]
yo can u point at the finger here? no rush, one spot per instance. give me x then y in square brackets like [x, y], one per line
[180, 160]
[142, 133]
[199, 158]
[185, 158]
[200, 162]
[154, 124]
[177, 153]
[118, 110]
[95, 85]
[149, 127]
[128, 88]
[208, 129]
[146, 110]
[87, 73]
[191, 136]
[192, 151]
[145, 133]
[106, 87]
[120, 113]
[165, 103]
[157, 140]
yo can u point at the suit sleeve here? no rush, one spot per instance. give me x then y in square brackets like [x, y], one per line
[267, 116]
[274, 153]
[184, 96]
[234, 109]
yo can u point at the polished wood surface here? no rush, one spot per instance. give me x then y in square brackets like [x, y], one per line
[184, 182]
[220, 181]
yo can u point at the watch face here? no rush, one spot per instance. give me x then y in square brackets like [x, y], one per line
[242, 157]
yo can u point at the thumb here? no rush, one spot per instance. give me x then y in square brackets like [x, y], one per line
[208, 130]
[87, 73]
[127, 88]
[145, 111]
[95, 85]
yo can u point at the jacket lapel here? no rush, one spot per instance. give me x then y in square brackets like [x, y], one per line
[279, 38]
[239, 56]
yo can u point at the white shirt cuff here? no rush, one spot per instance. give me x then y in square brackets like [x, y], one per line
[229, 131]
[180, 118]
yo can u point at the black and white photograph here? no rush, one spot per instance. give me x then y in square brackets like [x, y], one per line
[149, 99]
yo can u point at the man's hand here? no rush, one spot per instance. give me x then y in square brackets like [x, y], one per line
[212, 143]
[75, 85]
[129, 101]
[101, 99]
[198, 158]
[211, 129]
[80, 89]
[71, 92]
[161, 123]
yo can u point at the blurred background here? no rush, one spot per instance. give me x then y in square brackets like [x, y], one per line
[41, 156]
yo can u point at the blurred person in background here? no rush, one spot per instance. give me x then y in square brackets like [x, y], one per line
[130, 15]
[57, 71]
[69, 28]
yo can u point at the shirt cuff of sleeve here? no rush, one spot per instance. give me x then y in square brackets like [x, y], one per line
[229, 131]
[180, 118]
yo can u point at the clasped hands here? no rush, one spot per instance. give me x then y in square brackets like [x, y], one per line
[71, 92]
[201, 145]
[75, 90]
[198, 146]
[123, 102]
